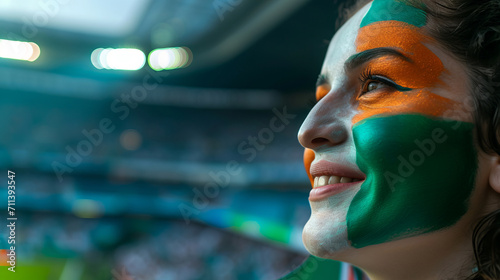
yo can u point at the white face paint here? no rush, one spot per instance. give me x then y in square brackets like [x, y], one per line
[325, 233]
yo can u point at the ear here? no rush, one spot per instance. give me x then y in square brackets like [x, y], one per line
[494, 177]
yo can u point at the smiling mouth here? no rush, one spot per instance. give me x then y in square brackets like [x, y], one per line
[321, 181]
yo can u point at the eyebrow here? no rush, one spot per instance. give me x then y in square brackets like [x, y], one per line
[361, 58]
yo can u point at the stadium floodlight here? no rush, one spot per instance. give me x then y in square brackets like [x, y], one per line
[19, 50]
[118, 59]
[169, 58]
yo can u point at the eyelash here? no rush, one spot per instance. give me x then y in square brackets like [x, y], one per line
[367, 76]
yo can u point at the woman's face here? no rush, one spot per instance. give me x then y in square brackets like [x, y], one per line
[389, 144]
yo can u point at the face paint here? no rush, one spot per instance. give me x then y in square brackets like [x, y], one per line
[384, 10]
[392, 103]
[321, 91]
[423, 70]
[420, 167]
[420, 174]
[308, 159]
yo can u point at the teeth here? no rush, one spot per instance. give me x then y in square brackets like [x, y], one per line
[334, 180]
[323, 180]
[345, 180]
[329, 180]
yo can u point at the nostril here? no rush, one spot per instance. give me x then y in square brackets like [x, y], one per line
[319, 141]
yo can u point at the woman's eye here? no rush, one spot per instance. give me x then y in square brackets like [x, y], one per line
[374, 85]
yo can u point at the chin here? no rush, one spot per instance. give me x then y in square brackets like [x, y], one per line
[325, 238]
[325, 234]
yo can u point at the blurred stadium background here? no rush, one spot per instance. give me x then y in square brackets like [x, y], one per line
[181, 166]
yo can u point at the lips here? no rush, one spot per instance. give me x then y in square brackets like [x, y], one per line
[332, 178]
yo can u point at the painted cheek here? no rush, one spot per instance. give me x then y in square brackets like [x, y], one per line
[420, 167]
[420, 175]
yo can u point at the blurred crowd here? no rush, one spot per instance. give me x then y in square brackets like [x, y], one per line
[148, 131]
[121, 227]
[142, 248]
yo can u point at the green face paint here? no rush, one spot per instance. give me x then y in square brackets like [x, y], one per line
[420, 169]
[384, 10]
[420, 174]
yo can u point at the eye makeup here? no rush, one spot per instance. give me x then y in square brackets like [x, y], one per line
[423, 70]
[410, 76]
[367, 76]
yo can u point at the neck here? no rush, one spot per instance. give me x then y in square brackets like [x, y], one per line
[439, 255]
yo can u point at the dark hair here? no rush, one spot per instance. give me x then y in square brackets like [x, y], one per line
[486, 238]
[470, 31]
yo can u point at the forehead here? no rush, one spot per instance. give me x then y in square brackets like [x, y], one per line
[343, 45]
[372, 24]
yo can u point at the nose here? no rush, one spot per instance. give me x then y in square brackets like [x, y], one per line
[323, 126]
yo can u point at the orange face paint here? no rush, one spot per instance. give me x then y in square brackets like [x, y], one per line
[392, 103]
[422, 71]
[308, 159]
[425, 68]
[321, 91]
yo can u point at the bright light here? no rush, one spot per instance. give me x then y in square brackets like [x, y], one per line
[118, 59]
[19, 50]
[169, 58]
